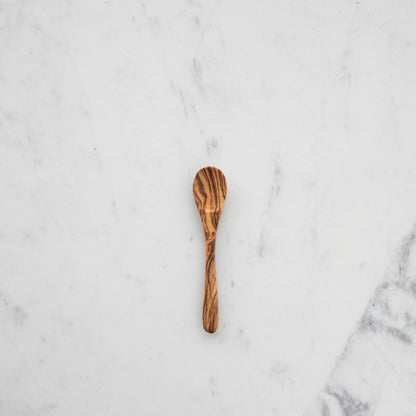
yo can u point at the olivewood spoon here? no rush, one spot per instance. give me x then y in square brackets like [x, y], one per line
[210, 190]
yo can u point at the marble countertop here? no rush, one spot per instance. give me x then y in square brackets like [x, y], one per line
[107, 111]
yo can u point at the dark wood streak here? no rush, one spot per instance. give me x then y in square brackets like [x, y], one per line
[210, 190]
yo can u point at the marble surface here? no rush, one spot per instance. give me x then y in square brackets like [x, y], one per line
[108, 109]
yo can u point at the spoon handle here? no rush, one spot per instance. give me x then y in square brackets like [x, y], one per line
[210, 308]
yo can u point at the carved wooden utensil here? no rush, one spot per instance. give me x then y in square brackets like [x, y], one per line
[210, 190]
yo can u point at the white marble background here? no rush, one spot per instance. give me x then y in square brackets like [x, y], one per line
[107, 110]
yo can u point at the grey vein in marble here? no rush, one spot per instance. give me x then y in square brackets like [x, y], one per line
[272, 195]
[380, 356]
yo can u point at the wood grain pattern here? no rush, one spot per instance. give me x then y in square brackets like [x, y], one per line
[210, 190]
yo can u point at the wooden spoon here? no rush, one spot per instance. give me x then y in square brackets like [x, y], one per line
[210, 190]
